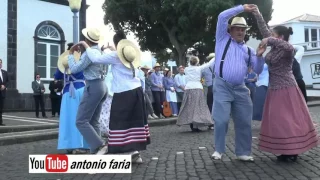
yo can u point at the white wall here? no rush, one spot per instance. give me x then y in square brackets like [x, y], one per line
[3, 32]
[30, 13]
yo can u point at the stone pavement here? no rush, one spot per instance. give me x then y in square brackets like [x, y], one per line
[176, 153]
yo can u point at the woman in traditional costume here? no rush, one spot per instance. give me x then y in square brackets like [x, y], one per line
[70, 138]
[129, 131]
[194, 109]
[287, 129]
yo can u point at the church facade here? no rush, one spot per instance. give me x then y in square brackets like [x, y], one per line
[37, 32]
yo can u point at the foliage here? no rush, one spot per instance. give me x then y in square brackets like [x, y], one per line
[175, 24]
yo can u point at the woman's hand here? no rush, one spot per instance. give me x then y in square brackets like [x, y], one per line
[262, 47]
[74, 48]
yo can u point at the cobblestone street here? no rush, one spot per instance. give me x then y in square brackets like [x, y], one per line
[176, 153]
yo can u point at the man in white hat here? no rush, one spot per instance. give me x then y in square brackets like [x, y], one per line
[128, 107]
[94, 94]
[157, 89]
[233, 58]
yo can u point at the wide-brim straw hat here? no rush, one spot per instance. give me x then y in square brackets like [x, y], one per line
[129, 54]
[211, 55]
[145, 67]
[63, 61]
[92, 34]
[239, 22]
[157, 65]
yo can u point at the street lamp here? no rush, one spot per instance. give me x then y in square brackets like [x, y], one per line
[75, 6]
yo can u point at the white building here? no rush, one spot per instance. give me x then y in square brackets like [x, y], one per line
[37, 32]
[306, 32]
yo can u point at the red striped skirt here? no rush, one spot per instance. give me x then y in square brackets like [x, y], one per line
[129, 129]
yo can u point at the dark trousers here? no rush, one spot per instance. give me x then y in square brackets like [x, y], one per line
[302, 87]
[38, 99]
[210, 98]
[252, 92]
[1, 108]
[55, 105]
[158, 97]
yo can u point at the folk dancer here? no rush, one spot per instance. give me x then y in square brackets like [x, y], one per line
[128, 108]
[70, 138]
[104, 119]
[233, 57]
[194, 110]
[94, 94]
[157, 90]
[180, 80]
[286, 129]
[171, 95]
[148, 93]
[208, 76]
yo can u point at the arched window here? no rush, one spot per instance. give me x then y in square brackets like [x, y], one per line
[49, 44]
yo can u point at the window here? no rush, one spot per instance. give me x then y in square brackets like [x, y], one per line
[47, 56]
[49, 44]
[312, 36]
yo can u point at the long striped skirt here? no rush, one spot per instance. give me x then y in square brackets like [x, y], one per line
[128, 127]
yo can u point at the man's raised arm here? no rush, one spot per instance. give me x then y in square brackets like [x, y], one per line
[223, 19]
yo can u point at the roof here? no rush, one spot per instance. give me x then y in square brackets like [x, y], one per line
[305, 18]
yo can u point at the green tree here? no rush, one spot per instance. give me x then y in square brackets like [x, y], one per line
[175, 24]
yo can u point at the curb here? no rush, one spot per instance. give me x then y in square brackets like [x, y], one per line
[25, 138]
[9, 129]
[313, 105]
[162, 122]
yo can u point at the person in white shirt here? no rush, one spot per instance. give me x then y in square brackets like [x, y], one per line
[128, 107]
[194, 110]
[180, 80]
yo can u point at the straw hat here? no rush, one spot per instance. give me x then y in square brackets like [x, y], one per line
[211, 55]
[166, 69]
[239, 22]
[92, 34]
[129, 53]
[145, 67]
[157, 65]
[63, 61]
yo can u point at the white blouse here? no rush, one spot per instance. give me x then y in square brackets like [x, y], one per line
[193, 75]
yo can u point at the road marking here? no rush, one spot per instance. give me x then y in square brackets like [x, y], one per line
[28, 118]
[179, 152]
[154, 158]
[254, 138]
[202, 147]
[40, 122]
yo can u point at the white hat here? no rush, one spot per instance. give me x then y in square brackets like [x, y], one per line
[145, 67]
[239, 22]
[63, 61]
[92, 34]
[129, 53]
[157, 65]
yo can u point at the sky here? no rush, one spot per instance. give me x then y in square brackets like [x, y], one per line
[283, 10]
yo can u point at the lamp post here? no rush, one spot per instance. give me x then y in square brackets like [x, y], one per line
[75, 6]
